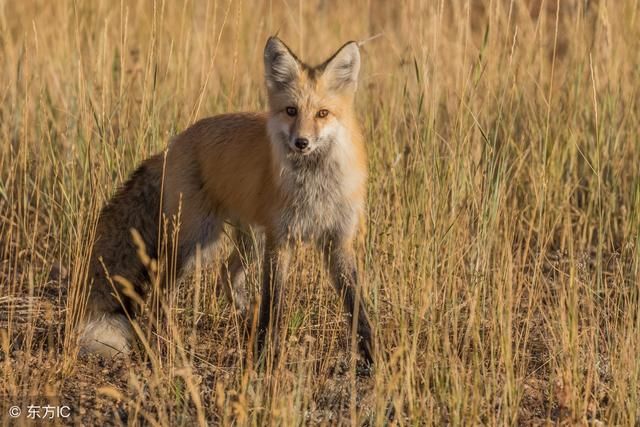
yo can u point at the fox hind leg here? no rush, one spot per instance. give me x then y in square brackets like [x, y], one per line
[190, 223]
[233, 273]
[203, 232]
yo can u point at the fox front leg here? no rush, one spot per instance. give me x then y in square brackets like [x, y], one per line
[341, 262]
[276, 262]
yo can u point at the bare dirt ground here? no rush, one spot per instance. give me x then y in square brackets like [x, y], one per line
[112, 391]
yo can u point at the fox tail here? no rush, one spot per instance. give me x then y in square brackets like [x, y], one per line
[116, 261]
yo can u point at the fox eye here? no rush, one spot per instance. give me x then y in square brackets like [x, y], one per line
[323, 113]
[292, 111]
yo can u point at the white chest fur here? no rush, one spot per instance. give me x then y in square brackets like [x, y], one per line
[319, 197]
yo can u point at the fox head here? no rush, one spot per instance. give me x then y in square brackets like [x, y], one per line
[311, 107]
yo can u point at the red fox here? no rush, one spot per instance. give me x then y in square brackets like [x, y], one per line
[295, 173]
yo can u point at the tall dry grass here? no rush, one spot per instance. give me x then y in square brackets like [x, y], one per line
[501, 256]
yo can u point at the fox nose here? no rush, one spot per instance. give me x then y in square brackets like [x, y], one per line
[302, 143]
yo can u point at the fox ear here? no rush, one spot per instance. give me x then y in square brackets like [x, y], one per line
[281, 67]
[341, 70]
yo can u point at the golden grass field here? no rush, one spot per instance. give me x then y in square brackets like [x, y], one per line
[500, 262]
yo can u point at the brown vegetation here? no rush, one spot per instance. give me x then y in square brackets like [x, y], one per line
[501, 257]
